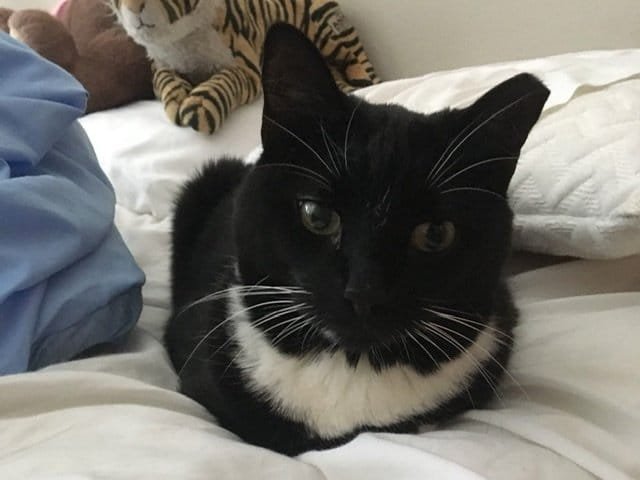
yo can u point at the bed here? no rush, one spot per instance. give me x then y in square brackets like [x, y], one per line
[571, 407]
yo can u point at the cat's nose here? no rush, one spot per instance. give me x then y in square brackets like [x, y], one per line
[362, 300]
[364, 288]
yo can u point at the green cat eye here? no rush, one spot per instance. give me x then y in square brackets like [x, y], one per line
[433, 237]
[318, 218]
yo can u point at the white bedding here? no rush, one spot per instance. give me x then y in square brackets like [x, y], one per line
[575, 413]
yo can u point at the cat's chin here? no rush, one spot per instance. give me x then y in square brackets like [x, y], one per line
[357, 342]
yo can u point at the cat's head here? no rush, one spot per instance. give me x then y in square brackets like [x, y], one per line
[379, 214]
[158, 22]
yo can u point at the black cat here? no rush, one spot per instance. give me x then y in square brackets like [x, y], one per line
[351, 280]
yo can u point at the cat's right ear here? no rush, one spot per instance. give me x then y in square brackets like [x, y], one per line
[493, 131]
[298, 86]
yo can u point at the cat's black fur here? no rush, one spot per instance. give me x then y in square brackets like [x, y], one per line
[241, 225]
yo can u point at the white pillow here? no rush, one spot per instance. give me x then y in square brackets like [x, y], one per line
[575, 192]
[577, 189]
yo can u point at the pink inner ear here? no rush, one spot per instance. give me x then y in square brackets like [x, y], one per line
[60, 8]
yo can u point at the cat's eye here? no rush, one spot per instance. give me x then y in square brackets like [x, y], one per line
[433, 237]
[318, 218]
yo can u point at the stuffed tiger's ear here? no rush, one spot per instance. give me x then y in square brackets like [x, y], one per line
[296, 81]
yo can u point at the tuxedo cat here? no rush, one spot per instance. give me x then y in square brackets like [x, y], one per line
[350, 280]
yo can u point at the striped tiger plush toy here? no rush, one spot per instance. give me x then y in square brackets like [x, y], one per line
[207, 53]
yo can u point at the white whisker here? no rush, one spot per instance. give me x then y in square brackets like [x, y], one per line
[472, 166]
[336, 168]
[280, 313]
[422, 347]
[302, 171]
[490, 355]
[403, 342]
[224, 322]
[444, 158]
[473, 324]
[435, 329]
[293, 326]
[376, 355]
[472, 189]
[347, 133]
[282, 323]
[309, 147]
[446, 355]
[313, 330]
[230, 363]
[246, 290]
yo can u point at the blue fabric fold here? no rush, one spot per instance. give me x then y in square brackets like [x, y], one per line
[67, 280]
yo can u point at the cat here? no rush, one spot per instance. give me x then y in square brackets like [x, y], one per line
[351, 280]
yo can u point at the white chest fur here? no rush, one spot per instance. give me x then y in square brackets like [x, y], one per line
[332, 398]
[201, 54]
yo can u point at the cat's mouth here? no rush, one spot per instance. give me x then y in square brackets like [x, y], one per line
[358, 332]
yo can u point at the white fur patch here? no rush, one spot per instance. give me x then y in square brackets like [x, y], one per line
[333, 398]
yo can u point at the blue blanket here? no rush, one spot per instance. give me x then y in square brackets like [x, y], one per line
[67, 280]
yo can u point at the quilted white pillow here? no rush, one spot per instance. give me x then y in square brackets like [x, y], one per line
[575, 192]
[577, 188]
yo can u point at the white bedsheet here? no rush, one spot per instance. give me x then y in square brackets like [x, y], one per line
[575, 415]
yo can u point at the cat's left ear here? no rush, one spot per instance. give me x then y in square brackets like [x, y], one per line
[297, 84]
[492, 132]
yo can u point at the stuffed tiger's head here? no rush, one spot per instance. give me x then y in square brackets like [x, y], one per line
[153, 22]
